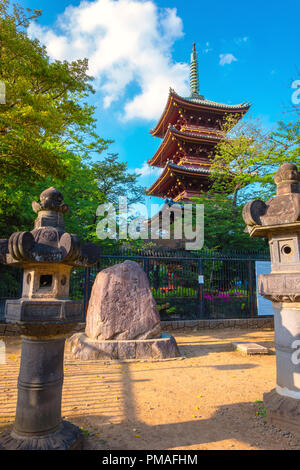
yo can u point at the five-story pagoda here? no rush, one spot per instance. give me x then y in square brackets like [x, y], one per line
[190, 128]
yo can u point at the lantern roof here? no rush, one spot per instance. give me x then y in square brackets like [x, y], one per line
[278, 214]
[48, 242]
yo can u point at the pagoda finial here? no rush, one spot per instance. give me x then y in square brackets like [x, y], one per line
[194, 78]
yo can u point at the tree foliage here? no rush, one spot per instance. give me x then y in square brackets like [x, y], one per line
[83, 191]
[224, 226]
[241, 158]
[45, 118]
[249, 154]
[245, 163]
[48, 133]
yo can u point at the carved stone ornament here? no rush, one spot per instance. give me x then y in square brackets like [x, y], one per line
[283, 209]
[50, 199]
[48, 242]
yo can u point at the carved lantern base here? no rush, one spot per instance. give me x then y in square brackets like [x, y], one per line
[68, 437]
[283, 412]
[283, 403]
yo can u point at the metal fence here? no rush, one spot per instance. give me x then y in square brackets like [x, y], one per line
[10, 286]
[185, 285]
[206, 284]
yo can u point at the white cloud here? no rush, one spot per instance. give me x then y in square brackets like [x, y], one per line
[207, 48]
[227, 59]
[147, 170]
[241, 40]
[126, 42]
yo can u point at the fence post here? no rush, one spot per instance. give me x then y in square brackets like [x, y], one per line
[21, 282]
[146, 267]
[250, 278]
[86, 290]
[200, 290]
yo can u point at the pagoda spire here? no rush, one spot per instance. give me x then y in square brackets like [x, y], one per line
[194, 77]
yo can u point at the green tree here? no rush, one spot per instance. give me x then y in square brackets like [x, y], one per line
[286, 142]
[244, 156]
[224, 226]
[114, 181]
[45, 119]
[48, 133]
[248, 154]
[92, 184]
[83, 191]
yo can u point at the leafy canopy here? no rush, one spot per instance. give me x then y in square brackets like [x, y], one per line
[44, 119]
[48, 133]
[249, 154]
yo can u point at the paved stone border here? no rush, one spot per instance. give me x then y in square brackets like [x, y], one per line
[244, 323]
[250, 348]
[241, 323]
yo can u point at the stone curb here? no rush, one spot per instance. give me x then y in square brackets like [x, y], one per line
[244, 323]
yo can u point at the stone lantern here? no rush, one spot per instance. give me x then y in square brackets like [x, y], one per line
[278, 220]
[44, 315]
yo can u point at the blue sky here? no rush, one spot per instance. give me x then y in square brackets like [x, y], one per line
[247, 51]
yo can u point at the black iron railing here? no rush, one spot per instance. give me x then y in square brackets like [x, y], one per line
[185, 285]
[10, 286]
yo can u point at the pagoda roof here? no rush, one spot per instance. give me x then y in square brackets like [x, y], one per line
[193, 102]
[169, 143]
[188, 169]
[161, 182]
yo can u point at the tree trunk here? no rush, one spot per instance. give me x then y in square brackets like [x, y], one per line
[236, 189]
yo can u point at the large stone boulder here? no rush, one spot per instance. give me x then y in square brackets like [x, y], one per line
[122, 306]
[122, 319]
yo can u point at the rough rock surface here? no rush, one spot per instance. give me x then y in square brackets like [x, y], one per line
[121, 305]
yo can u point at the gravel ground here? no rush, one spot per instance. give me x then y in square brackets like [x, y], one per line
[210, 398]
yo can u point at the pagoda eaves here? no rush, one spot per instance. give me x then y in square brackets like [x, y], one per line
[178, 145]
[180, 182]
[176, 104]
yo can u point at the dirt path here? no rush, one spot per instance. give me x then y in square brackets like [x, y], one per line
[208, 400]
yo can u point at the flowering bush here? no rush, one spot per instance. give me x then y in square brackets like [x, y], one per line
[225, 296]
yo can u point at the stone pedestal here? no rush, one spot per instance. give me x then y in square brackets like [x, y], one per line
[283, 403]
[283, 412]
[84, 348]
[279, 220]
[287, 342]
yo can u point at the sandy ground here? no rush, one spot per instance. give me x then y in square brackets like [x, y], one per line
[209, 399]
